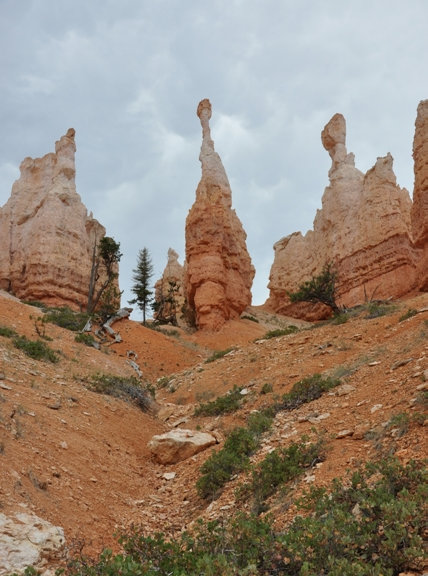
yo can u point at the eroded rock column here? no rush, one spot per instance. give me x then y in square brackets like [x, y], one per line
[219, 273]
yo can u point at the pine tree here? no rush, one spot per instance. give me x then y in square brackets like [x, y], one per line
[142, 276]
[106, 256]
[321, 288]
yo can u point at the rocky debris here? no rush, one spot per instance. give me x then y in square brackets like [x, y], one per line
[179, 444]
[219, 273]
[169, 292]
[46, 234]
[27, 540]
[366, 228]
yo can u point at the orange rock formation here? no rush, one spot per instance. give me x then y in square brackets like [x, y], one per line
[367, 227]
[219, 273]
[46, 235]
[169, 291]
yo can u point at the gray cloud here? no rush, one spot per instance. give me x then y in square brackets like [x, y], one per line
[128, 77]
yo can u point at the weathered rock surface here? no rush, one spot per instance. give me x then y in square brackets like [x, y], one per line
[27, 540]
[179, 444]
[219, 273]
[46, 235]
[420, 191]
[169, 291]
[364, 228]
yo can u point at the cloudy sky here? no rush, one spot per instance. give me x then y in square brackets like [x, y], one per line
[128, 76]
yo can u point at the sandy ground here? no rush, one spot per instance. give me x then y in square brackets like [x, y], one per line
[80, 459]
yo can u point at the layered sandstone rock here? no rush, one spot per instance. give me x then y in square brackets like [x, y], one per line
[169, 292]
[219, 273]
[420, 192]
[46, 234]
[364, 228]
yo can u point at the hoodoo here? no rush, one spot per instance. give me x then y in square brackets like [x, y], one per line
[367, 227]
[46, 235]
[219, 273]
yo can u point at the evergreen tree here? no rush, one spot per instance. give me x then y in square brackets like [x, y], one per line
[321, 288]
[105, 258]
[142, 276]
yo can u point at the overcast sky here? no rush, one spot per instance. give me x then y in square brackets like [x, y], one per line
[128, 76]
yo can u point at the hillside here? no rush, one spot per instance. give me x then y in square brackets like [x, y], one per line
[80, 459]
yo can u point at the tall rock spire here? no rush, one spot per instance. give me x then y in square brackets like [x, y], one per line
[219, 273]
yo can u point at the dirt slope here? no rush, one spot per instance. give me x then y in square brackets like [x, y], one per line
[80, 459]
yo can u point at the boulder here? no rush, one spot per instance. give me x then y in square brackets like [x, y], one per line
[179, 444]
[218, 271]
[27, 540]
[46, 234]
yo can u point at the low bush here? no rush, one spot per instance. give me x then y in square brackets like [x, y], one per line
[306, 390]
[409, 314]
[7, 332]
[218, 354]
[66, 318]
[371, 524]
[234, 456]
[280, 467]
[246, 317]
[281, 332]
[266, 388]
[230, 402]
[378, 309]
[218, 469]
[85, 338]
[35, 349]
[128, 389]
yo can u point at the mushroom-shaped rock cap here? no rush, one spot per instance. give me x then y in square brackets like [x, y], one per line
[334, 132]
[204, 105]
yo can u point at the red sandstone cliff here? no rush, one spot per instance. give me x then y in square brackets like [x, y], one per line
[368, 227]
[46, 234]
[219, 273]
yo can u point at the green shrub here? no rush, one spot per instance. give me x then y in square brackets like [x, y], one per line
[320, 288]
[259, 422]
[373, 525]
[266, 388]
[7, 332]
[36, 304]
[378, 309]
[306, 390]
[280, 467]
[85, 338]
[340, 318]
[230, 402]
[35, 349]
[66, 318]
[218, 469]
[246, 317]
[128, 389]
[369, 525]
[409, 314]
[399, 422]
[280, 332]
[219, 354]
